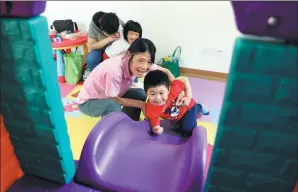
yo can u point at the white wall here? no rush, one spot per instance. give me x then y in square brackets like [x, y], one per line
[201, 28]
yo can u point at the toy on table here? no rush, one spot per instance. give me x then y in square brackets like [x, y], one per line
[57, 38]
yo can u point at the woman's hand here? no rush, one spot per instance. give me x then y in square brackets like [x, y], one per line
[179, 98]
[182, 100]
[185, 101]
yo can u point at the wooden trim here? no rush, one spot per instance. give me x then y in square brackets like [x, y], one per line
[211, 75]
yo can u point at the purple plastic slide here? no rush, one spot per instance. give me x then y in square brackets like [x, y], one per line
[271, 19]
[22, 8]
[120, 155]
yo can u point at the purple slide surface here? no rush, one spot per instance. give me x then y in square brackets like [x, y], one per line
[272, 19]
[120, 155]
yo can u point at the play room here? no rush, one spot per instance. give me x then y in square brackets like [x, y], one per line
[153, 96]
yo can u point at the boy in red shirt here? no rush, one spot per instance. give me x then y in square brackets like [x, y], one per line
[162, 102]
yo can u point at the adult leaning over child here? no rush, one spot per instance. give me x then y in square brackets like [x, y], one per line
[108, 86]
[103, 30]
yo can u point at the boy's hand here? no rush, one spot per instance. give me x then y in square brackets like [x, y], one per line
[185, 101]
[157, 130]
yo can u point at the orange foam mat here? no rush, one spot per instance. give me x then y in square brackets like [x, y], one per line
[10, 167]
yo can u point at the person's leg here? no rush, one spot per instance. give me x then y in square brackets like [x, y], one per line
[188, 122]
[202, 110]
[99, 107]
[94, 58]
[137, 94]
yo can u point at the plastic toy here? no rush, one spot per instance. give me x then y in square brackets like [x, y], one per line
[256, 143]
[121, 155]
[57, 38]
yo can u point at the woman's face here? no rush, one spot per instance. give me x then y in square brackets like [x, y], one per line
[140, 64]
[132, 36]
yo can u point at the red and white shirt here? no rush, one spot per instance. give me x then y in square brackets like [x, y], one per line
[169, 110]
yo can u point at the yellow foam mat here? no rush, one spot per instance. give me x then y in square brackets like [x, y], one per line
[79, 128]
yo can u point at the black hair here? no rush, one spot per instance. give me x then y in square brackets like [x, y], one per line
[142, 45]
[132, 26]
[156, 78]
[109, 23]
[96, 17]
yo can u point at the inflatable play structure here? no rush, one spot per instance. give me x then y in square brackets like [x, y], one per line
[256, 143]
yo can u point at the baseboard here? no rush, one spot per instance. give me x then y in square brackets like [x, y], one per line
[203, 74]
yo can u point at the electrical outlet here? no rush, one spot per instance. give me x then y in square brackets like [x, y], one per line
[211, 51]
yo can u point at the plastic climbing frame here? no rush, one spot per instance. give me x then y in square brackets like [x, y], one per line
[30, 97]
[256, 142]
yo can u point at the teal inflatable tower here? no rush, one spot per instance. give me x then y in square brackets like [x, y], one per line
[256, 142]
[30, 96]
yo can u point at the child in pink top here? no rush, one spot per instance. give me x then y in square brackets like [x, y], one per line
[109, 85]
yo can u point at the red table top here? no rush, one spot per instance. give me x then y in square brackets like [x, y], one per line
[66, 43]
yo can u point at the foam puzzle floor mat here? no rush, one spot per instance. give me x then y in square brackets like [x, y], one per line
[79, 125]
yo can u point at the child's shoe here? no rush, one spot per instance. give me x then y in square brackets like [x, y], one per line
[86, 73]
[202, 110]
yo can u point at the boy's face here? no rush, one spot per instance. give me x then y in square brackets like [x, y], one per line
[158, 95]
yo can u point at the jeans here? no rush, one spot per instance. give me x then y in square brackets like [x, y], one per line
[189, 121]
[102, 107]
[94, 57]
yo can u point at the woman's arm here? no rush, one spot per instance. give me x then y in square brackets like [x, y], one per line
[188, 92]
[187, 89]
[129, 102]
[113, 80]
[168, 72]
